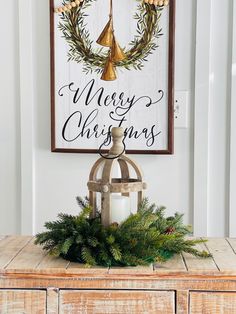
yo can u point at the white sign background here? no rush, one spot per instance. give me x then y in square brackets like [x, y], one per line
[78, 126]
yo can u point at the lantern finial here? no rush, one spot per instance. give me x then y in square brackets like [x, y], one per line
[117, 134]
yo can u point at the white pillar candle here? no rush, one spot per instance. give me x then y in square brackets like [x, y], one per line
[120, 208]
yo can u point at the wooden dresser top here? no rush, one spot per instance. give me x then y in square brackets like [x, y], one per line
[19, 254]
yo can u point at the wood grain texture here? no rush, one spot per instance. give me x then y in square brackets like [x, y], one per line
[93, 177]
[120, 282]
[131, 270]
[182, 301]
[22, 301]
[176, 264]
[223, 255]
[53, 262]
[232, 243]
[28, 258]
[199, 264]
[124, 172]
[162, 289]
[82, 268]
[113, 302]
[212, 302]
[10, 246]
[19, 253]
[52, 300]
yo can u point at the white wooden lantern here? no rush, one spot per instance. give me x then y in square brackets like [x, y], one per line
[107, 185]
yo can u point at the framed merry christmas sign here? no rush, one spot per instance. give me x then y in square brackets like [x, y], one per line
[112, 64]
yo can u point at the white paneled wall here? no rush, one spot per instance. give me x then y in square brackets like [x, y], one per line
[201, 116]
[27, 125]
[198, 180]
[232, 124]
[213, 85]
[10, 165]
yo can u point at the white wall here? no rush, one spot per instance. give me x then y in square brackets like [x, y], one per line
[37, 184]
[10, 201]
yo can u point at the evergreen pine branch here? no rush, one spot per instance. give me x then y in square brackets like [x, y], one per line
[141, 239]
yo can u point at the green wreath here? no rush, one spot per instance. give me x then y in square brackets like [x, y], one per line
[73, 27]
[143, 238]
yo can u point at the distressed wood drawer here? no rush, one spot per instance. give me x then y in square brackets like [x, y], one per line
[22, 301]
[213, 302]
[114, 302]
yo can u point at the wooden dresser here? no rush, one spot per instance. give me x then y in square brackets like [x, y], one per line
[32, 282]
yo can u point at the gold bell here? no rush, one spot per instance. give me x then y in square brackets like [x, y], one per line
[109, 73]
[117, 54]
[106, 37]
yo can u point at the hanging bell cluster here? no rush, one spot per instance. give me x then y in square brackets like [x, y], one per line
[116, 54]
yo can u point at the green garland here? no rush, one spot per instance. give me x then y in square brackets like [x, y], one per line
[143, 238]
[73, 28]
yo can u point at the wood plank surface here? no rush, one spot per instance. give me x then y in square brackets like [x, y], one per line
[195, 264]
[131, 270]
[175, 264]
[114, 302]
[223, 255]
[10, 246]
[82, 268]
[20, 253]
[22, 301]
[28, 258]
[212, 302]
[49, 261]
[232, 243]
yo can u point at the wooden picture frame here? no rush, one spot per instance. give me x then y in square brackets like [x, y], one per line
[56, 129]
